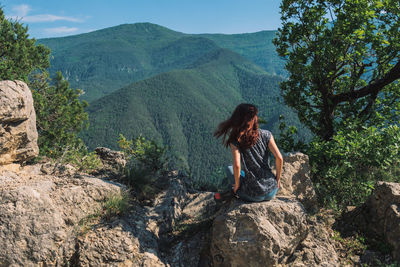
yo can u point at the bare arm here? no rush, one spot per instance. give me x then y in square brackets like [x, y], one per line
[278, 158]
[236, 167]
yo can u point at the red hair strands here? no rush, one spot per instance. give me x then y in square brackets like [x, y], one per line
[241, 127]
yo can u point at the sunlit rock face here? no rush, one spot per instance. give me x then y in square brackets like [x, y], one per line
[278, 232]
[18, 134]
[40, 214]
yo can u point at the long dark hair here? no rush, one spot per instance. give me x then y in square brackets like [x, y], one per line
[241, 127]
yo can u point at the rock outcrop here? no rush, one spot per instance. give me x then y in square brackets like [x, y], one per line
[380, 215]
[295, 180]
[258, 234]
[41, 223]
[40, 214]
[276, 232]
[152, 235]
[273, 233]
[18, 134]
[383, 211]
[113, 161]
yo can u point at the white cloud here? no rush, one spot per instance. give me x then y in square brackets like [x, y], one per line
[60, 30]
[21, 10]
[48, 18]
[21, 13]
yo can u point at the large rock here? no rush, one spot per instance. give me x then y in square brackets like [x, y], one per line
[167, 232]
[40, 214]
[380, 215]
[45, 220]
[18, 134]
[295, 180]
[258, 234]
[123, 242]
[113, 161]
[277, 232]
[272, 233]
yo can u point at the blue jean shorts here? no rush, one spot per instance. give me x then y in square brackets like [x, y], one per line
[244, 196]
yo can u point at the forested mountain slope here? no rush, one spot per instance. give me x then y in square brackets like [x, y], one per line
[176, 87]
[182, 108]
[102, 61]
[256, 47]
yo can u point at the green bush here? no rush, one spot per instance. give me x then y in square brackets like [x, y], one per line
[146, 162]
[144, 153]
[345, 169]
[59, 112]
[80, 157]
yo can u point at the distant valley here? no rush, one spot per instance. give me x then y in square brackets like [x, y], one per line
[103, 61]
[170, 86]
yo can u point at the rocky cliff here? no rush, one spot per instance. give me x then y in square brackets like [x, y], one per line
[51, 215]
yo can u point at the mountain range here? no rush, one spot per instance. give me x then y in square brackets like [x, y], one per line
[145, 79]
[102, 61]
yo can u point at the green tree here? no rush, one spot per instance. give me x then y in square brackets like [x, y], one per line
[60, 114]
[19, 55]
[346, 168]
[343, 61]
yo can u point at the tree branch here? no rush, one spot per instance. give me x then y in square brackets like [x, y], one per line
[371, 88]
[367, 108]
[358, 75]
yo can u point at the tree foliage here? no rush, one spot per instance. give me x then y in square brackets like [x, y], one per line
[19, 54]
[347, 167]
[60, 114]
[144, 153]
[343, 59]
[147, 160]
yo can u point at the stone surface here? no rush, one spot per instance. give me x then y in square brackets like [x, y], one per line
[173, 231]
[380, 215]
[258, 234]
[45, 220]
[191, 243]
[39, 214]
[272, 233]
[317, 249]
[117, 243]
[18, 134]
[295, 180]
[113, 161]
[52, 216]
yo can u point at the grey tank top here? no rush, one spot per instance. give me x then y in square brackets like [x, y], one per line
[259, 179]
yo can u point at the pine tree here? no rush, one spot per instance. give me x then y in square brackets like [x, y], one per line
[19, 54]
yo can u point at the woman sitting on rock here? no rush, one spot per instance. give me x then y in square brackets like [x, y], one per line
[250, 145]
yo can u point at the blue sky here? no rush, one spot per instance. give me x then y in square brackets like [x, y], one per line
[56, 18]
